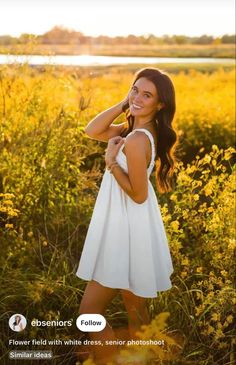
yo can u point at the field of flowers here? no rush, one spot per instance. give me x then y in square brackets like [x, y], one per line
[49, 178]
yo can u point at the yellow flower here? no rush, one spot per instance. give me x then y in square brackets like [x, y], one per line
[7, 195]
[215, 148]
[8, 202]
[196, 197]
[185, 214]
[8, 225]
[210, 329]
[224, 273]
[211, 294]
[173, 197]
[199, 183]
[208, 191]
[166, 218]
[218, 334]
[174, 225]
[199, 295]
[207, 158]
[185, 261]
[229, 318]
[191, 169]
[210, 209]
[232, 244]
[13, 213]
[229, 152]
[215, 317]
[199, 269]
[198, 310]
[183, 274]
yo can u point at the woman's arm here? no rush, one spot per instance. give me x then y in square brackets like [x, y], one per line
[101, 127]
[135, 183]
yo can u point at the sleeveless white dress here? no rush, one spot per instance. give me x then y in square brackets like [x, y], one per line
[126, 245]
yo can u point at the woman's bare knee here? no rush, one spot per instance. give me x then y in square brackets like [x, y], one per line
[133, 301]
[136, 307]
[96, 298]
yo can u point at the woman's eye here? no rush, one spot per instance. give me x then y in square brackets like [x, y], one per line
[146, 95]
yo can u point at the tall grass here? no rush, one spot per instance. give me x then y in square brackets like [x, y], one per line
[49, 179]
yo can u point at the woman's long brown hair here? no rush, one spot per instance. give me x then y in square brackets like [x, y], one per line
[166, 135]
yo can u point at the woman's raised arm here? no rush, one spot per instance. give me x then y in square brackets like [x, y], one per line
[101, 127]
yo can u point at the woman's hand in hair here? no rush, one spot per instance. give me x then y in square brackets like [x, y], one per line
[125, 102]
[112, 150]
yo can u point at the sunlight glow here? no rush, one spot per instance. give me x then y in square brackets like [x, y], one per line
[114, 18]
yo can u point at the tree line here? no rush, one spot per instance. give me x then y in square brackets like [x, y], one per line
[61, 35]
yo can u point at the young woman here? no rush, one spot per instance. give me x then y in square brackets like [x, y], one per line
[126, 248]
[17, 325]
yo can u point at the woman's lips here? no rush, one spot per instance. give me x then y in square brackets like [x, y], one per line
[135, 106]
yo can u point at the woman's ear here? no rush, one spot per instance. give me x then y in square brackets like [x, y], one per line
[160, 106]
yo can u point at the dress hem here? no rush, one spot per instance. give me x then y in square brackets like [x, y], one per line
[113, 286]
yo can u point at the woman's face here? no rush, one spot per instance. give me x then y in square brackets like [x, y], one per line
[17, 319]
[143, 99]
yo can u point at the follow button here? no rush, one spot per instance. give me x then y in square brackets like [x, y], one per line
[91, 322]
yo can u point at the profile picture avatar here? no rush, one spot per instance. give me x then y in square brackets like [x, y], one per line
[17, 322]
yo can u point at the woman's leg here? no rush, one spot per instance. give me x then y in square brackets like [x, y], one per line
[96, 298]
[137, 311]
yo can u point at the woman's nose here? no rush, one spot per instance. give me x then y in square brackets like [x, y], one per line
[137, 98]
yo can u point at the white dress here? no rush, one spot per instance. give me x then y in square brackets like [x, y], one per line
[126, 245]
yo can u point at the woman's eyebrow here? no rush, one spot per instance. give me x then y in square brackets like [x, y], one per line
[148, 92]
[145, 91]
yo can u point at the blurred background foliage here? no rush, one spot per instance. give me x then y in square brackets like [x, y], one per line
[50, 174]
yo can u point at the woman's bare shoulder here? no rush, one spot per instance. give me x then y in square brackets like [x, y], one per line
[136, 137]
[137, 142]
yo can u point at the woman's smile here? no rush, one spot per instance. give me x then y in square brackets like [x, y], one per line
[136, 106]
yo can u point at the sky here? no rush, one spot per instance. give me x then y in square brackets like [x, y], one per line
[119, 17]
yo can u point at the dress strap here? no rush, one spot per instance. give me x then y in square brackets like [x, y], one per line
[151, 139]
